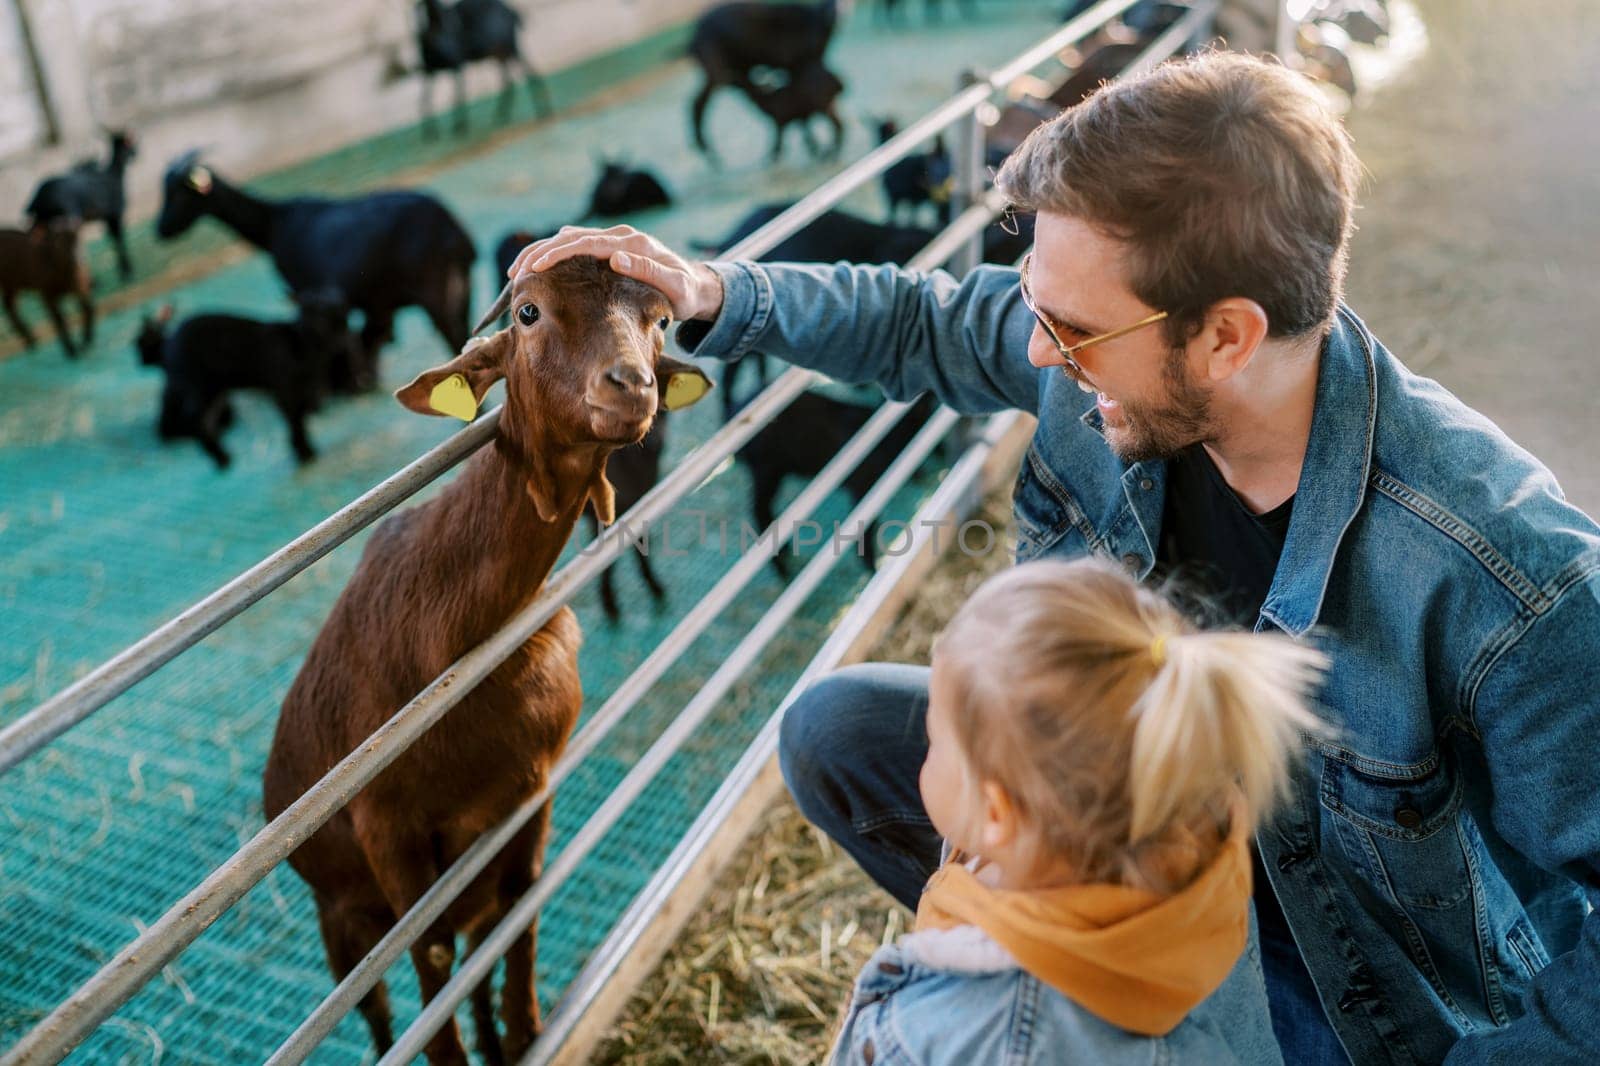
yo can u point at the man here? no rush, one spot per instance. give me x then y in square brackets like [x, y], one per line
[1209, 411]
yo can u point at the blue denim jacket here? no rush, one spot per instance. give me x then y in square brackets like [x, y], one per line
[1435, 859]
[956, 998]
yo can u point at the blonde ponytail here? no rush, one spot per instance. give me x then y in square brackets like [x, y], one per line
[1224, 712]
[1130, 743]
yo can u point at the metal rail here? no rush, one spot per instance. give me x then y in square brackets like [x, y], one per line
[99, 997]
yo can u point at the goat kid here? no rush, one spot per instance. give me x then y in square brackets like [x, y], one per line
[732, 40]
[585, 375]
[921, 178]
[90, 192]
[810, 92]
[622, 190]
[209, 356]
[45, 260]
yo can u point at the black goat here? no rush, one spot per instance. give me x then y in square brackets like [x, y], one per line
[383, 251]
[809, 92]
[450, 36]
[633, 471]
[922, 178]
[731, 41]
[211, 355]
[90, 192]
[45, 260]
[805, 436]
[621, 190]
[836, 236]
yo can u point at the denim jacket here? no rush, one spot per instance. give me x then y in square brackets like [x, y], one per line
[1439, 857]
[956, 998]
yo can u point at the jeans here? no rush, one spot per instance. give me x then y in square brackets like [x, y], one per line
[851, 747]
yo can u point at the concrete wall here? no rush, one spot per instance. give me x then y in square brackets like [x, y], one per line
[261, 83]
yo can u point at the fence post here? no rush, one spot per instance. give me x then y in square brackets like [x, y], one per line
[968, 174]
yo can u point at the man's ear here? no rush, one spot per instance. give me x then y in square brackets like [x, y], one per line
[1232, 333]
[458, 387]
[681, 384]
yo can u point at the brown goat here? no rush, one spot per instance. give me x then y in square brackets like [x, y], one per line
[585, 374]
[45, 260]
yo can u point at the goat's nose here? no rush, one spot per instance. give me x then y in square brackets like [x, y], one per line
[630, 377]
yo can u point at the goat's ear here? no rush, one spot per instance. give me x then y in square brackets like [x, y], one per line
[458, 387]
[681, 384]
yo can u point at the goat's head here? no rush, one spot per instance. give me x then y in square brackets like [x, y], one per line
[324, 316]
[124, 143]
[584, 368]
[185, 188]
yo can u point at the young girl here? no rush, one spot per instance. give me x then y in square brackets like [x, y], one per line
[1097, 768]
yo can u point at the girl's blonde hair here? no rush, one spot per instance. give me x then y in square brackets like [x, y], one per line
[1129, 742]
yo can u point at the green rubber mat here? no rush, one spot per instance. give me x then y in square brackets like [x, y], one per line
[105, 533]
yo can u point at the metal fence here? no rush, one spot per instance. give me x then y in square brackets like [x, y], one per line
[144, 957]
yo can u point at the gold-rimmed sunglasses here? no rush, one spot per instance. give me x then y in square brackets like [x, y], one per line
[1073, 368]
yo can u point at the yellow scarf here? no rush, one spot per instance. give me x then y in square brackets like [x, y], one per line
[1134, 958]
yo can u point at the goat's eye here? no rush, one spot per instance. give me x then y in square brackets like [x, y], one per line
[664, 323]
[527, 314]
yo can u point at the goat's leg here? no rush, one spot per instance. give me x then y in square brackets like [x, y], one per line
[730, 375]
[430, 124]
[348, 933]
[869, 546]
[459, 124]
[52, 304]
[28, 339]
[293, 409]
[86, 305]
[697, 118]
[483, 1027]
[377, 329]
[507, 91]
[405, 869]
[538, 87]
[519, 1001]
[777, 142]
[838, 131]
[208, 430]
[124, 265]
[813, 145]
[764, 486]
[657, 593]
[450, 313]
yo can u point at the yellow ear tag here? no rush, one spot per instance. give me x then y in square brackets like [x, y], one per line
[684, 388]
[200, 179]
[453, 396]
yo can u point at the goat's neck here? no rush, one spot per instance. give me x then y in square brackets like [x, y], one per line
[251, 216]
[504, 550]
[120, 154]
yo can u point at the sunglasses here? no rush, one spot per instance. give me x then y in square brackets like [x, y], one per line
[1072, 368]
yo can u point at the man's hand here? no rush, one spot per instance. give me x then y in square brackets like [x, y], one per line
[693, 289]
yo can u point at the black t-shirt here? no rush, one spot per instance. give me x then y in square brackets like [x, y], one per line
[1216, 556]
[1217, 559]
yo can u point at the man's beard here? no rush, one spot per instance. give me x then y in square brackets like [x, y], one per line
[1161, 430]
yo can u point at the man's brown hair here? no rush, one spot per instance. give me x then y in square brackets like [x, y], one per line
[1226, 175]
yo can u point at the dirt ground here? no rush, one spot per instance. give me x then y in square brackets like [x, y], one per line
[1474, 263]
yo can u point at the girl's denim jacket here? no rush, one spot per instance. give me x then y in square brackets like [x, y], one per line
[956, 998]
[1435, 861]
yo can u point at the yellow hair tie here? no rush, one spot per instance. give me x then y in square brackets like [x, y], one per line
[1158, 651]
